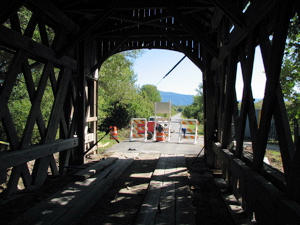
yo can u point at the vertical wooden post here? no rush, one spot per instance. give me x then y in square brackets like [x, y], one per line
[209, 89]
[229, 100]
[77, 157]
[296, 134]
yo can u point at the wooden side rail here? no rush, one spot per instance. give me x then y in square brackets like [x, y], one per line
[18, 157]
[256, 194]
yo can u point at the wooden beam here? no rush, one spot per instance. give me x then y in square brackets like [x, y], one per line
[86, 31]
[232, 13]
[256, 12]
[273, 69]
[247, 69]
[287, 148]
[113, 51]
[229, 100]
[210, 108]
[31, 92]
[17, 157]
[35, 111]
[141, 5]
[7, 8]
[186, 51]
[58, 16]
[41, 165]
[75, 199]
[36, 50]
[190, 27]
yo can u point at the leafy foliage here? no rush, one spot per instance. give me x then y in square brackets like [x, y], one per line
[150, 91]
[119, 98]
[290, 71]
[19, 103]
[195, 110]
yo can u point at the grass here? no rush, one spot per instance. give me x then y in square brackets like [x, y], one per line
[122, 134]
[200, 128]
[274, 158]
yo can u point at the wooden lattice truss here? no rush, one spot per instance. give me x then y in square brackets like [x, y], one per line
[216, 35]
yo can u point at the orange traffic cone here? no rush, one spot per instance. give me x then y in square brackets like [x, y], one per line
[160, 136]
[113, 132]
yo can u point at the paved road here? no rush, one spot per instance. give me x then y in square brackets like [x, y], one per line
[172, 147]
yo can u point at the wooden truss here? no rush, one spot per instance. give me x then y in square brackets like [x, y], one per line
[216, 35]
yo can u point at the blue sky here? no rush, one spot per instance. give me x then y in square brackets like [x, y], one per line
[153, 64]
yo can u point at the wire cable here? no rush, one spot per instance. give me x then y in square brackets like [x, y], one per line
[171, 69]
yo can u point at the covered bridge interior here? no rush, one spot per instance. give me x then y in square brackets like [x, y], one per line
[216, 35]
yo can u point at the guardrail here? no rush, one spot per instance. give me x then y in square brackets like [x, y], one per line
[260, 193]
[138, 129]
[186, 132]
[17, 157]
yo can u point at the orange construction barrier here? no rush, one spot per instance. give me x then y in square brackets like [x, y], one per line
[113, 132]
[160, 136]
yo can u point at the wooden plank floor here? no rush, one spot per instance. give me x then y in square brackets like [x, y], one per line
[135, 188]
[168, 197]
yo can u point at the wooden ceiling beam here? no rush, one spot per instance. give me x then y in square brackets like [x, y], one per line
[232, 13]
[53, 12]
[86, 31]
[137, 4]
[144, 36]
[113, 51]
[7, 8]
[135, 25]
[193, 29]
[256, 12]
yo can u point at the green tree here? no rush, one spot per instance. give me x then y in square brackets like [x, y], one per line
[119, 98]
[195, 110]
[150, 91]
[290, 71]
[19, 103]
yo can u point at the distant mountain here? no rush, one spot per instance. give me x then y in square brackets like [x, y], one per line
[176, 99]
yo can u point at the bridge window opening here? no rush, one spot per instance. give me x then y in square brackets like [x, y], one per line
[36, 35]
[6, 55]
[239, 85]
[19, 105]
[271, 37]
[48, 96]
[24, 16]
[7, 24]
[246, 7]
[258, 81]
[231, 29]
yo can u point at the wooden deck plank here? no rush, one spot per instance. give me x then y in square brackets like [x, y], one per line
[166, 206]
[168, 200]
[149, 208]
[184, 208]
[76, 199]
[94, 169]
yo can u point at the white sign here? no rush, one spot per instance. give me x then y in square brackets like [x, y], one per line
[162, 107]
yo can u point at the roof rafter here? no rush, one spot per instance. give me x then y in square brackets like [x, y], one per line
[232, 13]
[58, 16]
[190, 27]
